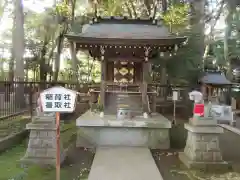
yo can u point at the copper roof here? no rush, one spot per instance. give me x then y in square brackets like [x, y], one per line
[121, 28]
[215, 78]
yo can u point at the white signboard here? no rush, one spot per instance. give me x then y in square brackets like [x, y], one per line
[220, 112]
[58, 99]
[175, 96]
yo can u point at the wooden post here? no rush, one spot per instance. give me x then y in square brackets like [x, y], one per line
[103, 77]
[57, 146]
[146, 73]
[144, 86]
[203, 91]
[154, 102]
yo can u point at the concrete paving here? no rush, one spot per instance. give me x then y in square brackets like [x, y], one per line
[238, 122]
[124, 163]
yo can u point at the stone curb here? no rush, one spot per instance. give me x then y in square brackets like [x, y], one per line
[12, 139]
[230, 128]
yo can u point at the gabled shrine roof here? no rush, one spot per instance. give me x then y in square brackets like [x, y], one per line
[122, 28]
[215, 78]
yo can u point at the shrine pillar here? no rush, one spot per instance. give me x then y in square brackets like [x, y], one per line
[103, 76]
[146, 74]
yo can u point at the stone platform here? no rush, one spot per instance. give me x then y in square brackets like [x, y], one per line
[202, 149]
[124, 163]
[42, 141]
[109, 131]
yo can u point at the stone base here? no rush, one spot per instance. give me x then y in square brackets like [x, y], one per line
[211, 166]
[202, 148]
[202, 121]
[109, 131]
[42, 160]
[42, 142]
[91, 137]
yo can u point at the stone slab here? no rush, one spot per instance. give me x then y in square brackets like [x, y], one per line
[211, 166]
[202, 129]
[92, 137]
[119, 163]
[230, 128]
[94, 120]
[201, 121]
[95, 131]
[39, 126]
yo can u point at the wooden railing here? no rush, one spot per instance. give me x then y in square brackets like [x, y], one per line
[159, 96]
[122, 87]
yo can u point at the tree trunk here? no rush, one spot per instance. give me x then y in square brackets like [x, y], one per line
[73, 50]
[2, 75]
[42, 64]
[231, 8]
[196, 40]
[164, 5]
[19, 46]
[74, 61]
[57, 58]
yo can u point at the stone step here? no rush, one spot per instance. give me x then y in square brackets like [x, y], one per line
[123, 163]
[128, 106]
[111, 109]
[129, 102]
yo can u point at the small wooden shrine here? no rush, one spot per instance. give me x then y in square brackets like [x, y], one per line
[214, 86]
[125, 48]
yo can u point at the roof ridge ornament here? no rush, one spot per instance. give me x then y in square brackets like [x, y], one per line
[146, 52]
[102, 51]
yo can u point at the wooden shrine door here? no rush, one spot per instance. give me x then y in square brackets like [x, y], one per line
[123, 72]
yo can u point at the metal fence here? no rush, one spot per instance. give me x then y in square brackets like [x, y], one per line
[19, 99]
[165, 104]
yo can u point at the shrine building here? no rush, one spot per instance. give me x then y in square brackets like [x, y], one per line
[125, 47]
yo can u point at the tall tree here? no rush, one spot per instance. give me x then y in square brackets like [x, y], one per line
[18, 49]
[231, 10]
[18, 40]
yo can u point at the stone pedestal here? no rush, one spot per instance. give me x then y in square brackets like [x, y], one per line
[94, 131]
[42, 141]
[202, 146]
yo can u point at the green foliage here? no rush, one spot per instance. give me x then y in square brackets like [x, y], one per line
[176, 17]
[63, 9]
[186, 61]
[218, 51]
[97, 108]
[100, 108]
[183, 67]
[112, 8]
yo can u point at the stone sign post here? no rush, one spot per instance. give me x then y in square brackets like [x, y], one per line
[44, 145]
[202, 146]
